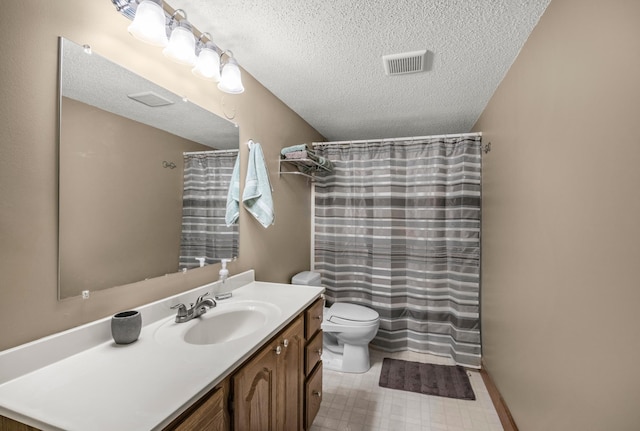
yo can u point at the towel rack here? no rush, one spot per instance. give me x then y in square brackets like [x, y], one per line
[305, 164]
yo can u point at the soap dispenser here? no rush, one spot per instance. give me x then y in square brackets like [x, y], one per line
[224, 272]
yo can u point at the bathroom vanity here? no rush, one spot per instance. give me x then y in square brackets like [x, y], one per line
[251, 362]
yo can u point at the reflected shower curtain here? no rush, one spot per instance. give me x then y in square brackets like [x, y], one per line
[207, 177]
[397, 229]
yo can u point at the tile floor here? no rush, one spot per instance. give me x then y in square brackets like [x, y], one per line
[355, 402]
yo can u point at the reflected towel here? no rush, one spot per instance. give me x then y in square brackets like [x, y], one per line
[233, 196]
[256, 196]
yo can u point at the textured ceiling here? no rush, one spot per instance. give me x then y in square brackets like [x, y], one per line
[323, 57]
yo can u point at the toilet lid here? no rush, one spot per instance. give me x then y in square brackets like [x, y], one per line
[342, 312]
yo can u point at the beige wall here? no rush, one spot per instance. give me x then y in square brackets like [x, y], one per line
[561, 222]
[28, 167]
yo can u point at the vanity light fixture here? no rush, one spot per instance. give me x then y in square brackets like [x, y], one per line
[149, 23]
[182, 44]
[230, 79]
[208, 61]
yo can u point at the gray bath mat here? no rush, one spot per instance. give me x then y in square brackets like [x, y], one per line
[442, 380]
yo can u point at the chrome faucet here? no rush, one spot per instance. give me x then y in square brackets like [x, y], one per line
[196, 310]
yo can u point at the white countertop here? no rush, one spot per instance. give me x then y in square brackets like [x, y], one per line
[140, 386]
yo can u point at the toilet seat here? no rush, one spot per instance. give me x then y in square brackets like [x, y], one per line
[347, 314]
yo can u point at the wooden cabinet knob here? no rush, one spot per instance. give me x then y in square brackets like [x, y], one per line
[317, 394]
[278, 350]
[319, 352]
[285, 343]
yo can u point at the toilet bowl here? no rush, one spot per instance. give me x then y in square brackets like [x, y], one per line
[347, 331]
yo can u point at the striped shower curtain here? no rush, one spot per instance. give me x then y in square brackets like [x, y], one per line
[207, 176]
[397, 229]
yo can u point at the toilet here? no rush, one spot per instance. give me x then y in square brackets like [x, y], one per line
[347, 331]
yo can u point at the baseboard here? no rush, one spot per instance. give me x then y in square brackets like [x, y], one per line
[498, 402]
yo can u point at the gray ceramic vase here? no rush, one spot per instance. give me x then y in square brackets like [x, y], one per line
[126, 327]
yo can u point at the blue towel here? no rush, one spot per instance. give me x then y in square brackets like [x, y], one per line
[301, 147]
[233, 197]
[256, 196]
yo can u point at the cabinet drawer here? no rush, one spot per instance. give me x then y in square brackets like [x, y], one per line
[313, 353]
[313, 318]
[313, 396]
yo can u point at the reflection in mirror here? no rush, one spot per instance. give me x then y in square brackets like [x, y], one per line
[122, 170]
[206, 238]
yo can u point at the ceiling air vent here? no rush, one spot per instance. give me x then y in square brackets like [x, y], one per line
[150, 98]
[407, 62]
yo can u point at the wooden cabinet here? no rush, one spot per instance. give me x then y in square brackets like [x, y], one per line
[313, 362]
[280, 388]
[289, 400]
[267, 390]
[209, 413]
[313, 318]
[313, 353]
[313, 396]
[7, 424]
[254, 392]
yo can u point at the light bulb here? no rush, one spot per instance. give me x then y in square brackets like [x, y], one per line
[182, 46]
[231, 80]
[149, 24]
[208, 64]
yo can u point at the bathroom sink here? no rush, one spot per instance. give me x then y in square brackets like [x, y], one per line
[225, 323]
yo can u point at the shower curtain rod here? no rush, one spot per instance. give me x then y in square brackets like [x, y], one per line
[409, 138]
[209, 151]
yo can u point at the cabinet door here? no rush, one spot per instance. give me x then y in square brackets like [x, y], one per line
[254, 393]
[291, 378]
[209, 414]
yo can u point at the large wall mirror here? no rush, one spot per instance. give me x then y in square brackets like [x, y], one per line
[143, 177]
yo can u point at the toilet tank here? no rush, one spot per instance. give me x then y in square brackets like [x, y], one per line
[309, 278]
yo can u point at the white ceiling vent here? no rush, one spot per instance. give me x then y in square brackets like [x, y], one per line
[150, 98]
[406, 62]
